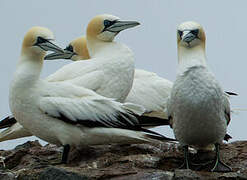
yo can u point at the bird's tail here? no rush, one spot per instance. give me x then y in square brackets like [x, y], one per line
[7, 122]
[227, 137]
[231, 93]
[14, 132]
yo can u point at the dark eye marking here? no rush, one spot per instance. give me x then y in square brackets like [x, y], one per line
[180, 33]
[108, 23]
[195, 32]
[41, 40]
[69, 48]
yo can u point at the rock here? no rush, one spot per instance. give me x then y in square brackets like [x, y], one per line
[53, 173]
[7, 176]
[31, 161]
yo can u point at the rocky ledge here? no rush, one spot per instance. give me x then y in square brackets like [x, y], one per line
[142, 161]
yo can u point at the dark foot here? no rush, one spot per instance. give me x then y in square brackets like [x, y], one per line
[65, 155]
[219, 165]
[185, 164]
[188, 164]
[191, 165]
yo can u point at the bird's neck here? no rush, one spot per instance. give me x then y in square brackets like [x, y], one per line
[99, 48]
[189, 57]
[29, 68]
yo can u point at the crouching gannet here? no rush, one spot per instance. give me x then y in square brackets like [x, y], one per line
[198, 107]
[65, 114]
[148, 89]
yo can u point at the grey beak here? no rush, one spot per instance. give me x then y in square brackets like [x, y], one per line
[188, 37]
[58, 55]
[49, 46]
[122, 25]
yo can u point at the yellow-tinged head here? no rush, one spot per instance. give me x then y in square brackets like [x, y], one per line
[79, 48]
[190, 34]
[105, 27]
[37, 41]
[76, 50]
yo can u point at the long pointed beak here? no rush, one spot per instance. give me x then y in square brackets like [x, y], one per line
[49, 46]
[122, 25]
[59, 55]
[188, 36]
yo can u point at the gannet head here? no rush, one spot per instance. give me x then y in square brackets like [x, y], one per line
[37, 41]
[76, 50]
[105, 27]
[190, 34]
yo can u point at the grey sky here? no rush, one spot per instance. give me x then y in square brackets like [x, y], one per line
[154, 42]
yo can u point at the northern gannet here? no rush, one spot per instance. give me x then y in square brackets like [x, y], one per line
[65, 114]
[76, 50]
[198, 107]
[109, 74]
[148, 89]
[110, 70]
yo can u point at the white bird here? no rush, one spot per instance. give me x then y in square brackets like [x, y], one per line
[110, 70]
[65, 114]
[110, 73]
[198, 107]
[148, 89]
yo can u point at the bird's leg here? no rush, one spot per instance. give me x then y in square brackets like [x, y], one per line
[185, 164]
[219, 165]
[65, 155]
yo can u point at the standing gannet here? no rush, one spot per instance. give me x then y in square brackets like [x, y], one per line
[198, 107]
[65, 114]
[14, 130]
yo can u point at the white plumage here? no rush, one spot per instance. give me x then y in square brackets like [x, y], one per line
[198, 107]
[151, 91]
[65, 114]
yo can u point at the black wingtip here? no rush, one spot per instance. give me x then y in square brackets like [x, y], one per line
[160, 138]
[231, 93]
[146, 121]
[155, 135]
[7, 122]
[227, 137]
